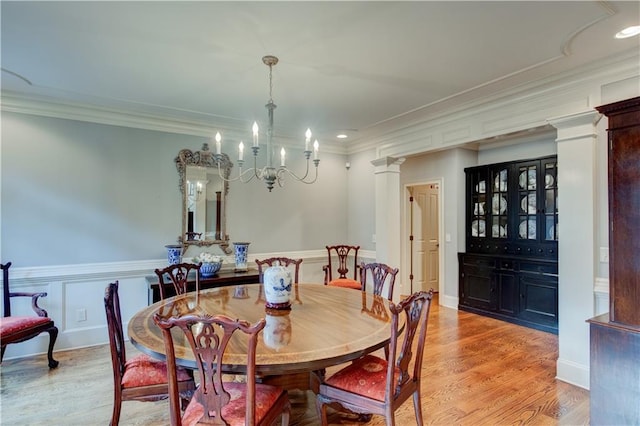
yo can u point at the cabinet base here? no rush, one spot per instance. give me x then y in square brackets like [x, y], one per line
[507, 318]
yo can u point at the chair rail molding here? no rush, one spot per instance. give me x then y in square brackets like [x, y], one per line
[75, 298]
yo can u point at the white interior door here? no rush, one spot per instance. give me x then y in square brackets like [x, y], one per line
[426, 244]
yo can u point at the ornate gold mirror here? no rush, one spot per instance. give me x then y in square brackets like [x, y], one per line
[204, 195]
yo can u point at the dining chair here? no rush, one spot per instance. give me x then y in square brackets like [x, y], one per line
[140, 378]
[379, 273]
[177, 278]
[216, 401]
[18, 328]
[342, 253]
[373, 385]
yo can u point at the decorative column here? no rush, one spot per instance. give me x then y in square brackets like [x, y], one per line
[388, 233]
[576, 138]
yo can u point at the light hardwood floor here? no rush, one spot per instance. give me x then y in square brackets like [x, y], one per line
[477, 371]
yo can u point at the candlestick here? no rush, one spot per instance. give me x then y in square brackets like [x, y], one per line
[282, 156]
[315, 149]
[241, 151]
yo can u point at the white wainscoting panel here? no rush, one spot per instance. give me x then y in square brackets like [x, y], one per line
[75, 295]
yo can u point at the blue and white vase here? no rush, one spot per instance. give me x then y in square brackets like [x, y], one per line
[241, 250]
[174, 253]
[277, 282]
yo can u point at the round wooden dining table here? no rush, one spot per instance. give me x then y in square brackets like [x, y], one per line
[325, 326]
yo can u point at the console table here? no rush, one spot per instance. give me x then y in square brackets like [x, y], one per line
[222, 278]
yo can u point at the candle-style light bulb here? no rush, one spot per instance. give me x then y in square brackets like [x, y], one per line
[316, 145]
[282, 157]
[218, 143]
[307, 139]
[240, 151]
[255, 133]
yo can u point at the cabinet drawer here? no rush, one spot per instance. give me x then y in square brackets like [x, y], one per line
[539, 268]
[482, 262]
[506, 264]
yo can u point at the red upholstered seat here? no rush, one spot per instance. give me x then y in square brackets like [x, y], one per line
[13, 326]
[366, 376]
[143, 370]
[346, 282]
[235, 411]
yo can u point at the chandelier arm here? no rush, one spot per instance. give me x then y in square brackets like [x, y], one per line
[295, 176]
[241, 174]
[303, 179]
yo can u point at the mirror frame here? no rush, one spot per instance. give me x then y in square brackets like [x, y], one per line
[203, 158]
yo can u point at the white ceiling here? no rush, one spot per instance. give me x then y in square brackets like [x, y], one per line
[344, 66]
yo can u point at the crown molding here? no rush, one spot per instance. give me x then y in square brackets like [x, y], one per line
[426, 129]
[206, 126]
[433, 128]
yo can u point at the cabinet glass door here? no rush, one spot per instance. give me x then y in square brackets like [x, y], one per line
[479, 189]
[499, 179]
[527, 201]
[550, 170]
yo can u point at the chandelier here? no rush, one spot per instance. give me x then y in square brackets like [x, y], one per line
[268, 173]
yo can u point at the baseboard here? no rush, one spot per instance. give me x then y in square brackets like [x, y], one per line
[573, 373]
[448, 301]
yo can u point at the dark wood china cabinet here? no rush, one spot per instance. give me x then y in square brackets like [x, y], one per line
[615, 336]
[510, 268]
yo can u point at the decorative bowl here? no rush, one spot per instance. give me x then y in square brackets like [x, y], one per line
[210, 269]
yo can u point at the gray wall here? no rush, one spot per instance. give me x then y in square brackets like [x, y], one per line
[361, 202]
[76, 192]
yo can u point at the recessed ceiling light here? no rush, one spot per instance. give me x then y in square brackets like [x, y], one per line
[342, 136]
[629, 32]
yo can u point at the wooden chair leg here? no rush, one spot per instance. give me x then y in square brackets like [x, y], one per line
[117, 406]
[285, 416]
[53, 335]
[417, 408]
[321, 409]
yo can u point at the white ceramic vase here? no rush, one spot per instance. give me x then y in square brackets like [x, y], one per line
[277, 284]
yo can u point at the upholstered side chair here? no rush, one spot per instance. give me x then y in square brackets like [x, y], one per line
[140, 378]
[216, 401]
[373, 385]
[18, 328]
[336, 271]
